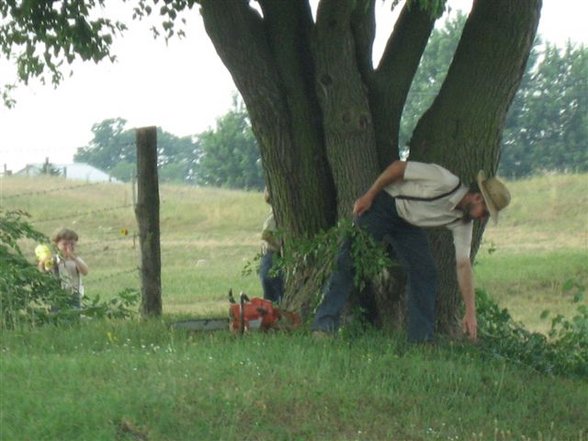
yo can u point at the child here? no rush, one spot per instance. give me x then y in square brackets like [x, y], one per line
[67, 265]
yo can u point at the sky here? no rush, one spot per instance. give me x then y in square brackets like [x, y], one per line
[182, 87]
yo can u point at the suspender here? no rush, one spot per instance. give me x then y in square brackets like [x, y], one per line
[434, 198]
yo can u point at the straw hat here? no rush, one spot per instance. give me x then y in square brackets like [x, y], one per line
[495, 194]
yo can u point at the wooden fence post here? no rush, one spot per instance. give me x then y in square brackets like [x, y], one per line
[147, 213]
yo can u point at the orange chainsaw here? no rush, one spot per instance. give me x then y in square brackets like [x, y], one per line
[251, 314]
[247, 315]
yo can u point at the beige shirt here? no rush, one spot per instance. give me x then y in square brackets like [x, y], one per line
[269, 226]
[431, 180]
[70, 276]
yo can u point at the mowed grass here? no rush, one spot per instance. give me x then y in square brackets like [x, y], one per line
[139, 380]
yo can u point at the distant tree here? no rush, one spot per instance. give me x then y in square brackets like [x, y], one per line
[113, 149]
[230, 154]
[177, 157]
[547, 126]
[111, 145]
[49, 169]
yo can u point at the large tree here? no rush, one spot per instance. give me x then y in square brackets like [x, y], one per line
[546, 127]
[327, 120]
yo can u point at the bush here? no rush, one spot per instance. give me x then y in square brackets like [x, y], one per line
[563, 351]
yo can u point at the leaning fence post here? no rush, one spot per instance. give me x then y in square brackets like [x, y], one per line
[147, 213]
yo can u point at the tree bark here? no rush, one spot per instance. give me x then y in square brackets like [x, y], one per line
[270, 64]
[391, 81]
[347, 121]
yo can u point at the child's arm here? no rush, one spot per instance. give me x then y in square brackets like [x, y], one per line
[81, 265]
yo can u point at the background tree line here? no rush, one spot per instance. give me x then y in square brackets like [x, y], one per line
[547, 124]
[224, 156]
[546, 128]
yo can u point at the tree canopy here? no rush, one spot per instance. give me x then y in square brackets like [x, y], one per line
[113, 149]
[42, 36]
[230, 154]
[547, 126]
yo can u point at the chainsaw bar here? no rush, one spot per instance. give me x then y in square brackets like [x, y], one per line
[215, 324]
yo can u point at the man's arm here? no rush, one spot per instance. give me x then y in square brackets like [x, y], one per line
[392, 173]
[465, 280]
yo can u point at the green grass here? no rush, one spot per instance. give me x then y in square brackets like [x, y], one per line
[89, 381]
[528, 284]
[139, 380]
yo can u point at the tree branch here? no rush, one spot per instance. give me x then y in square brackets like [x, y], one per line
[392, 79]
[470, 109]
[363, 26]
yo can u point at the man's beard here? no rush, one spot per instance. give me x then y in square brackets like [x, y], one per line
[466, 210]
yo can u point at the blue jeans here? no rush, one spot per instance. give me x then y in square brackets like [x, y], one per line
[273, 285]
[411, 246]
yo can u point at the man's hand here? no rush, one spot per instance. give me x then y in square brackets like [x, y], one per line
[394, 172]
[362, 205]
[469, 326]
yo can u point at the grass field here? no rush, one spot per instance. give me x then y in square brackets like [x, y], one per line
[140, 381]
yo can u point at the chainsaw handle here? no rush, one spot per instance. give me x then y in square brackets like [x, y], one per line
[242, 299]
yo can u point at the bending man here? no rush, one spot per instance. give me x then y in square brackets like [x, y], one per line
[417, 196]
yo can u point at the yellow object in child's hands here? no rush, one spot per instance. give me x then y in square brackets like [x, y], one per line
[43, 253]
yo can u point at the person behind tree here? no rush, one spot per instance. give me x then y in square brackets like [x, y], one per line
[272, 281]
[417, 196]
[67, 264]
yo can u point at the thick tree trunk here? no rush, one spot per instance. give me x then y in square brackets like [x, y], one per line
[347, 120]
[270, 67]
[462, 129]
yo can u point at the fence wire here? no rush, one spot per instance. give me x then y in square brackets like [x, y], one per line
[50, 190]
[81, 214]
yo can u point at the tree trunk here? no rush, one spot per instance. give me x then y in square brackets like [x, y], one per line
[270, 62]
[327, 122]
[462, 129]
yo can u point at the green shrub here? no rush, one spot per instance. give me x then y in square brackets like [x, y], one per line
[563, 351]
